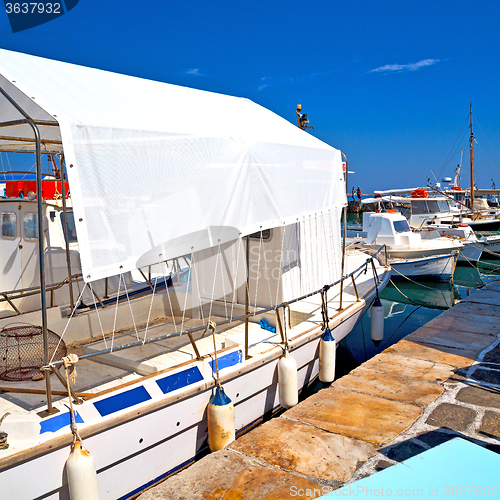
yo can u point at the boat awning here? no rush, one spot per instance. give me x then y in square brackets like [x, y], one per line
[157, 170]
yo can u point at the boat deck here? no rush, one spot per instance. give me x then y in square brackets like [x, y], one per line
[439, 383]
[101, 374]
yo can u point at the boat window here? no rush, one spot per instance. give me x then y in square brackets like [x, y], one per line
[31, 226]
[443, 206]
[418, 207]
[9, 225]
[401, 226]
[71, 226]
[266, 235]
[433, 206]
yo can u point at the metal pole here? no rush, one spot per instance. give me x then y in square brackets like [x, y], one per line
[247, 298]
[471, 162]
[343, 235]
[65, 222]
[41, 256]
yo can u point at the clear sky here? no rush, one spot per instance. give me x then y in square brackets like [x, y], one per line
[387, 82]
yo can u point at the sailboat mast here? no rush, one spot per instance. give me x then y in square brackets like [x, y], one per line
[471, 146]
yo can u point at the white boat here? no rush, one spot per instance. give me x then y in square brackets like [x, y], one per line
[158, 172]
[409, 254]
[437, 268]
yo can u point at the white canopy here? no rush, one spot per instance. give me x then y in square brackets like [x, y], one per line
[157, 170]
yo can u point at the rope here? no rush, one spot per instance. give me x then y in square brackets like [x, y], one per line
[98, 317]
[258, 271]
[150, 308]
[413, 281]
[130, 307]
[67, 324]
[213, 286]
[168, 295]
[211, 326]
[116, 312]
[69, 365]
[186, 295]
[240, 244]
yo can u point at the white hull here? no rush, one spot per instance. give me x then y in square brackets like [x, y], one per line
[471, 252]
[141, 444]
[438, 268]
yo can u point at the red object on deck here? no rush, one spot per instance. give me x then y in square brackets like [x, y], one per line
[456, 188]
[419, 193]
[50, 189]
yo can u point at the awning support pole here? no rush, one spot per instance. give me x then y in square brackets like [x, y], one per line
[41, 257]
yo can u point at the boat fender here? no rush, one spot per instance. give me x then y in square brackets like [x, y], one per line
[287, 381]
[81, 474]
[221, 426]
[377, 322]
[327, 353]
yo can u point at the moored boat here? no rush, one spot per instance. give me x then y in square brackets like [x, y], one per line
[254, 205]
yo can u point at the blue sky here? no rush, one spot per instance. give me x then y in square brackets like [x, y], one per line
[387, 82]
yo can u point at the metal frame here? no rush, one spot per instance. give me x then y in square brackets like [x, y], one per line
[245, 317]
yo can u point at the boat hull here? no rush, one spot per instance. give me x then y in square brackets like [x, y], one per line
[142, 444]
[439, 268]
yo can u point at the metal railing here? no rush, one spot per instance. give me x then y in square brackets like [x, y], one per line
[351, 276]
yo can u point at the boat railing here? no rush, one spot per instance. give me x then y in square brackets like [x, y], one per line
[10, 296]
[351, 277]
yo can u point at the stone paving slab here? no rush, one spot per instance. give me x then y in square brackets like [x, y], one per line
[230, 476]
[409, 367]
[492, 286]
[457, 358]
[465, 321]
[298, 447]
[451, 416]
[480, 396]
[478, 309]
[492, 356]
[484, 297]
[490, 425]
[433, 335]
[388, 386]
[370, 418]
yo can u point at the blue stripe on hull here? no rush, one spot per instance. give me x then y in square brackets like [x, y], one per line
[179, 380]
[121, 401]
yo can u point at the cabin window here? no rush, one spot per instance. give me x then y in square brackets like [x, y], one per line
[418, 207]
[266, 235]
[71, 226]
[443, 206]
[31, 226]
[401, 226]
[433, 206]
[9, 225]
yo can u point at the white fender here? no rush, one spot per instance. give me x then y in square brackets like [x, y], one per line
[327, 357]
[287, 381]
[81, 474]
[377, 322]
[221, 426]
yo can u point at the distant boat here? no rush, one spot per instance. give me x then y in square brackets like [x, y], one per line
[408, 253]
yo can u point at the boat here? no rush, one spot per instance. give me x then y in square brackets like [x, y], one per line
[157, 173]
[409, 253]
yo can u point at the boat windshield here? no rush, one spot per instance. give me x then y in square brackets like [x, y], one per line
[401, 226]
[419, 207]
[71, 226]
[429, 206]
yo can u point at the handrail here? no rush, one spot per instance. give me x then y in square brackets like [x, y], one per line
[239, 318]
